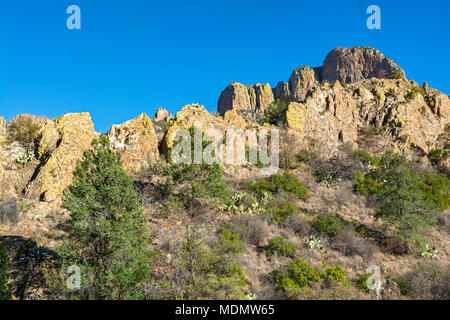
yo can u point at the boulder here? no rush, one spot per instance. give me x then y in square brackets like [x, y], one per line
[135, 140]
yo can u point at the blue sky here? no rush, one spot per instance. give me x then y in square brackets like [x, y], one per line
[136, 55]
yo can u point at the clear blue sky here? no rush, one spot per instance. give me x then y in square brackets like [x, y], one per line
[136, 55]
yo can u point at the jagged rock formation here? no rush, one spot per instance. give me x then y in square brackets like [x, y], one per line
[355, 64]
[334, 115]
[347, 65]
[59, 156]
[252, 98]
[196, 115]
[162, 114]
[135, 140]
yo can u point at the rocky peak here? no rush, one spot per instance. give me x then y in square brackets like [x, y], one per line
[162, 114]
[351, 65]
[2, 126]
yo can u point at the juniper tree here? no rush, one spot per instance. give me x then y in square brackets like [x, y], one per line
[107, 233]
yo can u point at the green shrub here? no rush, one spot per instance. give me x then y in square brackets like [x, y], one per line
[437, 156]
[366, 183]
[275, 113]
[396, 76]
[278, 246]
[279, 209]
[415, 90]
[230, 242]
[327, 224]
[286, 182]
[372, 130]
[23, 129]
[298, 274]
[366, 157]
[361, 282]
[107, 232]
[5, 285]
[404, 285]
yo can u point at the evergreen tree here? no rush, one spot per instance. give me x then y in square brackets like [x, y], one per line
[107, 233]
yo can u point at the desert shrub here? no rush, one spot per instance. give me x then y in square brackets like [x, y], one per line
[23, 129]
[279, 246]
[372, 130]
[275, 113]
[107, 234]
[9, 213]
[428, 281]
[366, 184]
[279, 209]
[396, 76]
[286, 182]
[5, 285]
[206, 271]
[298, 274]
[361, 282]
[252, 229]
[298, 224]
[437, 156]
[349, 243]
[366, 157]
[328, 224]
[415, 90]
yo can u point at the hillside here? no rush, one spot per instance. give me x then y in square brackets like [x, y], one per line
[362, 182]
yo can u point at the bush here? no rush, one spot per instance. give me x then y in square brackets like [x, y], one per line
[437, 156]
[349, 243]
[278, 246]
[203, 271]
[396, 76]
[5, 285]
[286, 182]
[327, 224]
[23, 129]
[428, 281]
[298, 224]
[366, 157]
[298, 274]
[107, 233]
[415, 90]
[279, 209]
[275, 113]
[252, 229]
[361, 282]
[9, 211]
[372, 130]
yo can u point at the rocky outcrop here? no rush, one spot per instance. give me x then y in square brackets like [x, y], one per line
[335, 115]
[196, 115]
[162, 114]
[136, 143]
[300, 84]
[351, 65]
[58, 159]
[2, 126]
[239, 97]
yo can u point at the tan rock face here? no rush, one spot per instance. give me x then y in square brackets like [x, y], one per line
[2, 126]
[198, 116]
[358, 63]
[135, 140]
[334, 115]
[239, 97]
[162, 114]
[76, 132]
